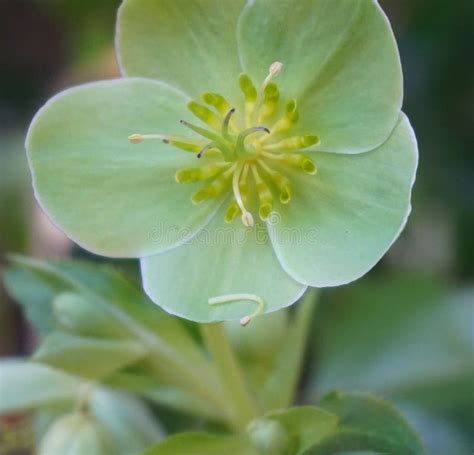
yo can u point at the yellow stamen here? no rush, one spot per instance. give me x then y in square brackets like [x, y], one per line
[232, 212]
[264, 195]
[250, 95]
[305, 163]
[193, 175]
[270, 102]
[217, 101]
[293, 143]
[205, 114]
[280, 181]
[289, 119]
[216, 188]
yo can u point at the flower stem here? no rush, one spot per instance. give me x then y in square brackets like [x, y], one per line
[243, 406]
[280, 390]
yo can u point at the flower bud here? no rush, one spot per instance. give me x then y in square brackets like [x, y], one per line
[268, 437]
[76, 433]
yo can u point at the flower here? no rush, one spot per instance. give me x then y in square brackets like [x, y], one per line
[297, 172]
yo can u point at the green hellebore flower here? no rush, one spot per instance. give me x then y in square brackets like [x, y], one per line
[297, 172]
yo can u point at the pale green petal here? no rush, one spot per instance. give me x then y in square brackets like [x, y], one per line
[221, 259]
[190, 44]
[340, 62]
[112, 197]
[349, 213]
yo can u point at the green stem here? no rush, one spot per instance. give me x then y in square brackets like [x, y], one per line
[243, 406]
[280, 390]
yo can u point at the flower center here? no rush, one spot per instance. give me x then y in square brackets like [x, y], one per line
[242, 153]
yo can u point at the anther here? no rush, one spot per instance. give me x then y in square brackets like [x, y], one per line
[293, 143]
[247, 87]
[274, 70]
[217, 101]
[289, 119]
[264, 195]
[280, 181]
[250, 95]
[205, 115]
[305, 163]
[291, 111]
[270, 101]
[238, 297]
[232, 212]
[215, 188]
[192, 175]
[135, 138]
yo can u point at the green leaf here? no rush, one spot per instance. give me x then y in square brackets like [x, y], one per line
[366, 423]
[131, 425]
[175, 357]
[80, 315]
[143, 384]
[305, 426]
[341, 63]
[110, 196]
[250, 260]
[393, 350]
[35, 295]
[76, 434]
[93, 358]
[191, 45]
[27, 385]
[350, 214]
[202, 444]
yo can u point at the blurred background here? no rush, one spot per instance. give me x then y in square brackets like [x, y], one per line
[406, 331]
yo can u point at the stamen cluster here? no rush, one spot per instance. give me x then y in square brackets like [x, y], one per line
[241, 156]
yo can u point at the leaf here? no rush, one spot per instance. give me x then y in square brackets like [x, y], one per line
[138, 382]
[34, 294]
[80, 315]
[410, 337]
[305, 425]
[26, 385]
[202, 444]
[175, 358]
[366, 423]
[129, 422]
[92, 358]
